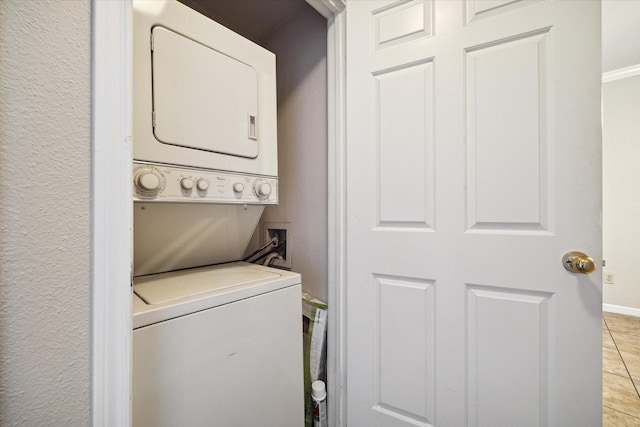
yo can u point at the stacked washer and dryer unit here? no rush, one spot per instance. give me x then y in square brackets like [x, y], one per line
[216, 341]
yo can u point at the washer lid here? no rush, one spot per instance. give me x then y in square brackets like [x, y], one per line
[167, 287]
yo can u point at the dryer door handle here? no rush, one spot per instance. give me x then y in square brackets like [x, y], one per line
[253, 127]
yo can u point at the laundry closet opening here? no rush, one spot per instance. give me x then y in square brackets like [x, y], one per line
[297, 34]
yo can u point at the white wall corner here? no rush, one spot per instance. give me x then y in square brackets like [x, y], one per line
[620, 198]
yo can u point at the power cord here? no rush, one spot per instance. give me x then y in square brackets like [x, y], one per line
[271, 251]
[269, 243]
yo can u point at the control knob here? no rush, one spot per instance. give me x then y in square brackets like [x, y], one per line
[262, 189]
[238, 187]
[186, 183]
[202, 185]
[148, 180]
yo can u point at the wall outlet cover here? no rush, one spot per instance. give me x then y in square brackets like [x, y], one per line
[283, 231]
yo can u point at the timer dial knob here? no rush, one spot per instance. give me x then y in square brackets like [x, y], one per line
[263, 189]
[148, 180]
[238, 187]
[202, 185]
[186, 183]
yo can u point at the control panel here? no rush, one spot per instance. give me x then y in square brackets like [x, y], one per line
[154, 182]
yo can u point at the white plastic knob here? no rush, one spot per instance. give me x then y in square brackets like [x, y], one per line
[202, 185]
[238, 187]
[263, 190]
[186, 183]
[148, 181]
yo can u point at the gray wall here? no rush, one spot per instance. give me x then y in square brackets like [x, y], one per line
[45, 238]
[301, 50]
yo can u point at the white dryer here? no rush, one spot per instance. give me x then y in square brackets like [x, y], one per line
[203, 96]
[218, 346]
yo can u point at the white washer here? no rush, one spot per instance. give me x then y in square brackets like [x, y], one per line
[218, 346]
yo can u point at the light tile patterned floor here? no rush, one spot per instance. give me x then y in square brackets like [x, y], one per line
[620, 370]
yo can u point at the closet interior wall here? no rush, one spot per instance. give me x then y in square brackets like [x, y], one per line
[298, 37]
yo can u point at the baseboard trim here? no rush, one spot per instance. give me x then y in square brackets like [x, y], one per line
[629, 311]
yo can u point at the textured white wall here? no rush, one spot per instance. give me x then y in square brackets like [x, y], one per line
[301, 51]
[45, 266]
[621, 190]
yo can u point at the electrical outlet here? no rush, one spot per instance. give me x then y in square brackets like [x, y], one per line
[281, 231]
[609, 278]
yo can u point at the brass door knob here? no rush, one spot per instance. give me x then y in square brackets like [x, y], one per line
[578, 262]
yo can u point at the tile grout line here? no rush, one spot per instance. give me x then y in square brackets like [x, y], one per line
[621, 358]
[621, 412]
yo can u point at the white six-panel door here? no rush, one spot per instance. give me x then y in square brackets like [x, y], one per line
[473, 165]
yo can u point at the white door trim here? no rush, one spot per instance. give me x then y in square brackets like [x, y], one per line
[327, 8]
[112, 218]
[112, 215]
[333, 10]
[336, 214]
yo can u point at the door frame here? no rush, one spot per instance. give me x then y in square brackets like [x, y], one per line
[336, 211]
[112, 216]
[112, 222]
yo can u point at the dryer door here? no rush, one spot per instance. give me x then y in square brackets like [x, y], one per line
[202, 98]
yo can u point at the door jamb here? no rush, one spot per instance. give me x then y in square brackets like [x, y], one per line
[111, 152]
[334, 11]
[112, 214]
